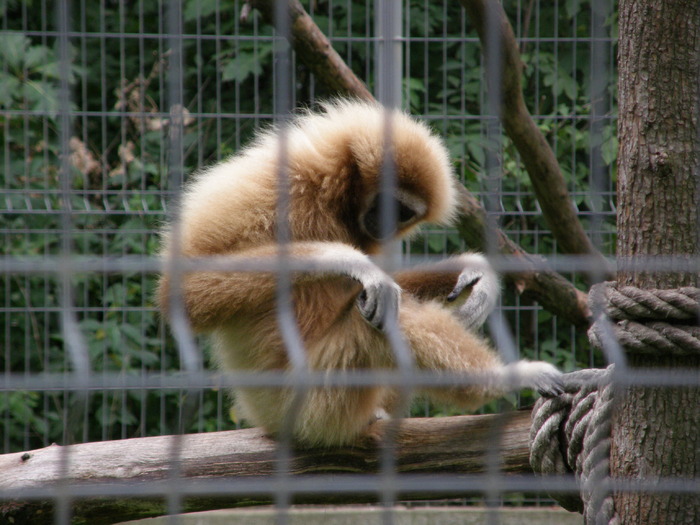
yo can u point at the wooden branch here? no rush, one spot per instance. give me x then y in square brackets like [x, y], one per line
[539, 159]
[316, 51]
[547, 287]
[423, 445]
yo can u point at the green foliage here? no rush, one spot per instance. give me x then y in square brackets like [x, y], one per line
[30, 79]
[119, 159]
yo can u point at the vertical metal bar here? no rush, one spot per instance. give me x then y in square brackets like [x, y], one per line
[493, 174]
[494, 97]
[282, 104]
[599, 77]
[388, 16]
[189, 356]
[69, 325]
[72, 337]
[388, 57]
[598, 172]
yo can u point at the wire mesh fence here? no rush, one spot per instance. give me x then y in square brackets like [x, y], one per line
[108, 108]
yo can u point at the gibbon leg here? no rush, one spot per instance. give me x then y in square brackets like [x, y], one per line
[440, 342]
[336, 416]
[336, 338]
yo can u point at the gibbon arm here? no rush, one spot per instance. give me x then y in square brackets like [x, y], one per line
[211, 297]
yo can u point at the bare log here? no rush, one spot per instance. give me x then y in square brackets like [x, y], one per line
[537, 155]
[141, 472]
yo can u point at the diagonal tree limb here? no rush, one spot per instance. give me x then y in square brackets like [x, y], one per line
[315, 50]
[549, 185]
[549, 288]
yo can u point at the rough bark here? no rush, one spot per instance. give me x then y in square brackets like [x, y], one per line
[547, 287]
[656, 430]
[541, 164]
[319, 56]
[461, 444]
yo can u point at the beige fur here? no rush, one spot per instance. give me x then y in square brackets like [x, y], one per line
[334, 162]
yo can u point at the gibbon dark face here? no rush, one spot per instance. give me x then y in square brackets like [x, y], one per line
[387, 214]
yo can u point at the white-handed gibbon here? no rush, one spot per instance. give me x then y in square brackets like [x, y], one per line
[333, 161]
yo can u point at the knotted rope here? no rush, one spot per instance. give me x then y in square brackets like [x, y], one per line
[571, 433]
[647, 321]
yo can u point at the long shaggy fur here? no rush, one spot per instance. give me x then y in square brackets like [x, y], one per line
[333, 160]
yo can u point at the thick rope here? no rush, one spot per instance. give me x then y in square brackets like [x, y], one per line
[647, 321]
[628, 302]
[571, 433]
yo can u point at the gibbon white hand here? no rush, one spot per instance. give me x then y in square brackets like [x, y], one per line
[380, 296]
[379, 300]
[538, 375]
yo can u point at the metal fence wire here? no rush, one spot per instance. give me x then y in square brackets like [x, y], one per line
[108, 108]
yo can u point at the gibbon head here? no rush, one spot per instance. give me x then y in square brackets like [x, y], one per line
[357, 177]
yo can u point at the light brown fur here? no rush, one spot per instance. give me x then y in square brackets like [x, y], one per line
[334, 162]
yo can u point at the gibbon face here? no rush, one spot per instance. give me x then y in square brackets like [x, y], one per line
[334, 163]
[350, 187]
[403, 211]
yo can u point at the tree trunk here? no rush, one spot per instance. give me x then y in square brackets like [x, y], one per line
[656, 431]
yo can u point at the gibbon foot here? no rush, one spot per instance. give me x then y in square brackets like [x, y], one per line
[479, 287]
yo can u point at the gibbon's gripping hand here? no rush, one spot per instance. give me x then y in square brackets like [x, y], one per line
[538, 375]
[479, 283]
[379, 300]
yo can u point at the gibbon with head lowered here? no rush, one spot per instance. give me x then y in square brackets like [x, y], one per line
[333, 160]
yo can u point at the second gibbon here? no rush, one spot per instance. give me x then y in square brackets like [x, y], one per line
[333, 161]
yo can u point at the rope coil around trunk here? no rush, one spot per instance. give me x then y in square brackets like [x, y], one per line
[647, 321]
[571, 433]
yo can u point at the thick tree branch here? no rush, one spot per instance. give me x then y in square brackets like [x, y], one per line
[549, 185]
[427, 445]
[547, 287]
[316, 51]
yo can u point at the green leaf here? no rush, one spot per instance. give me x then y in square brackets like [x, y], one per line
[13, 48]
[37, 56]
[42, 96]
[195, 9]
[245, 64]
[436, 243]
[572, 8]
[9, 85]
